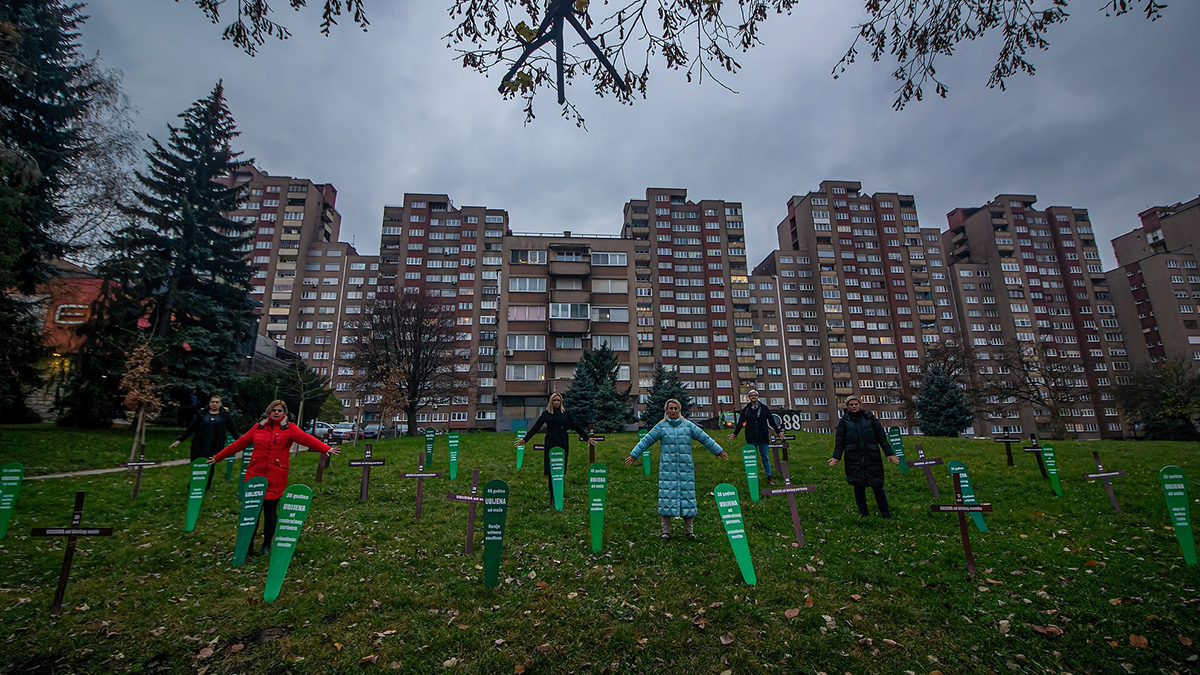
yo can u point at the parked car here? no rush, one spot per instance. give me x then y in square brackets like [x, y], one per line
[373, 431]
[345, 431]
[322, 429]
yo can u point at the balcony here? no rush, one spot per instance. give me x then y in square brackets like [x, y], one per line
[510, 387]
[570, 295]
[289, 251]
[570, 268]
[570, 325]
[281, 265]
[566, 355]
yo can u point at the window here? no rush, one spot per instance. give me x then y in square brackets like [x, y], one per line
[610, 314]
[610, 286]
[527, 284]
[609, 259]
[527, 343]
[519, 257]
[570, 310]
[524, 372]
[526, 312]
[618, 343]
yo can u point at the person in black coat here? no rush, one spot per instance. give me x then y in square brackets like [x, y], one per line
[757, 419]
[207, 430]
[558, 422]
[859, 438]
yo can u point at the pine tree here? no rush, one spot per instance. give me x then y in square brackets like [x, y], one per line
[941, 404]
[179, 275]
[46, 92]
[666, 387]
[593, 396]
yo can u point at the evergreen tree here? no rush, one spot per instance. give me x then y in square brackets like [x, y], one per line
[178, 274]
[666, 387]
[593, 396]
[941, 404]
[46, 92]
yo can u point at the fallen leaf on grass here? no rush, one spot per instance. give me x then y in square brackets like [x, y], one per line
[727, 639]
[808, 601]
[1048, 630]
[372, 658]
[463, 626]
[889, 641]
[337, 646]
[545, 648]
[518, 669]
[791, 613]
[499, 642]
[1138, 641]
[1090, 563]
[375, 604]
[715, 605]
[450, 662]
[205, 653]
[856, 596]
[1187, 641]
[236, 648]
[1004, 628]
[829, 622]
[700, 623]
[994, 582]
[542, 584]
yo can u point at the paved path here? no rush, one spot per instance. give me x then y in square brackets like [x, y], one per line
[97, 472]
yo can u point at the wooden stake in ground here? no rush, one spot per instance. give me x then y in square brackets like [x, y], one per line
[366, 463]
[1007, 441]
[420, 475]
[473, 499]
[962, 509]
[1035, 448]
[71, 532]
[789, 490]
[925, 463]
[1104, 476]
[592, 448]
[137, 467]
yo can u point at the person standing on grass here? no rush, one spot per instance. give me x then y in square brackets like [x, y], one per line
[859, 438]
[676, 472]
[272, 437]
[208, 429]
[558, 423]
[756, 417]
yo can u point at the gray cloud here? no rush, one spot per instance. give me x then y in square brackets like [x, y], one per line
[1107, 124]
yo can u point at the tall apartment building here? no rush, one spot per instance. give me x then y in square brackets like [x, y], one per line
[1032, 278]
[310, 284]
[527, 305]
[692, 295]
[848, 305]
[456, 254]
[1156, 285]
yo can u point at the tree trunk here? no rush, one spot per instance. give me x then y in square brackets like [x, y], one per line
[139, 432]
[410, 411]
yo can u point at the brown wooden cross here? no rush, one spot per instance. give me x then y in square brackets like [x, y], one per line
[962, 510]
[788, 489]
[366, 463]
[137, 467]
[1007, 441]
[1104, 476]
[925, 463]
[1037, 450]
[592, 448]
[421, 475]
[71, 532]
[473, 499]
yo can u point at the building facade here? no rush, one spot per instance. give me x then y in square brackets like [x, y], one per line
[1029, 284]
[1156, 284]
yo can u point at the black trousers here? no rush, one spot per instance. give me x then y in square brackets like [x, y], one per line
[860, 498]
[198, 455]
[270, 514]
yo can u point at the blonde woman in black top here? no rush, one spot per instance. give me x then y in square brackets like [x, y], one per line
[558, 423]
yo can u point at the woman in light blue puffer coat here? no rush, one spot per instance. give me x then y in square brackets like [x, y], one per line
[676, 472]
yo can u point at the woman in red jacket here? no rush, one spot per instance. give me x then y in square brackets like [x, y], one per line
[272, 437]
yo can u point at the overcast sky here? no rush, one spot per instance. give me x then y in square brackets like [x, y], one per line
[1109, 123]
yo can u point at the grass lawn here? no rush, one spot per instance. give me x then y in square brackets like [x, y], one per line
[1064, 585]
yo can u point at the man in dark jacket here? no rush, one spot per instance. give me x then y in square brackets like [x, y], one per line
[756, 417]
[859, 438]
